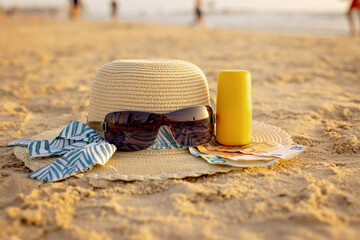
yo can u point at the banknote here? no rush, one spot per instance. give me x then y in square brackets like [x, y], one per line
[233, 155]
[251, 148]
[282, 152]
[213, 159]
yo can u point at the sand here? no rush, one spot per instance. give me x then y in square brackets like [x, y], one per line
[308, 86]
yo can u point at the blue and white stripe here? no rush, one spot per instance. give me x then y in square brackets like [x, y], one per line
[164, 140]
[21, 142]
[76, 161]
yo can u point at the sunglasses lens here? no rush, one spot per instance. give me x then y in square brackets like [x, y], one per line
[191, 126]
[131, 131]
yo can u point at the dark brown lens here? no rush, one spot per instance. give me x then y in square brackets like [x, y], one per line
[131, 130]
[191, 126]
[134, 130]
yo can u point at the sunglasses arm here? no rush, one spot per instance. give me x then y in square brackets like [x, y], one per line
[213, 118]
[97, 126]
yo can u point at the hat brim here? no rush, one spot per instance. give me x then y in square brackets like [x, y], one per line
[154, 164]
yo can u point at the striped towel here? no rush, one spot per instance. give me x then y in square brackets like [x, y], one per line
[81, 148]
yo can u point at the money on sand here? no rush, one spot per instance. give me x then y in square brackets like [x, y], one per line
[285, 152]
[233, 155]
[251, 148]
[213, 159]
[253, 151]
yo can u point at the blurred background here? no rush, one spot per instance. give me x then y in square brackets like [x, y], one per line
[324, 17]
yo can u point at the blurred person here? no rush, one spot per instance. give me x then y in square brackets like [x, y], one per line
[114, 9]
[11, 12]
[355, 6]
[199, 12]
[76, 6]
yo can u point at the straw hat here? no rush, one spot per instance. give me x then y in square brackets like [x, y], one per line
[155, 86]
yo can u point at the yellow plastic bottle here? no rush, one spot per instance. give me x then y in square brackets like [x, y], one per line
[233, 107]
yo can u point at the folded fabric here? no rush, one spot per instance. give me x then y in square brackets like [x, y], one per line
[82, 148]
[75, 135]
[75, 161]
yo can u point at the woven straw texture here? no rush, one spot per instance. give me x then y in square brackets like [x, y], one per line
[146, 85]
[154, 164]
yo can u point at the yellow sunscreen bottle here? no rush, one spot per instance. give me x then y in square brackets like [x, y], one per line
[233, 107]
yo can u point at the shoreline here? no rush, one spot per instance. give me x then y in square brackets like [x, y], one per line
[271, 22]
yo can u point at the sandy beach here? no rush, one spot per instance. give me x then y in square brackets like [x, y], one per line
[309, 86]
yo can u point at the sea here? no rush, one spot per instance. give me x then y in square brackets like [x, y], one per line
[294, 23]
[331, 22]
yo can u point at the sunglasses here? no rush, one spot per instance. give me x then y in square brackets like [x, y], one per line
[135, 130]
